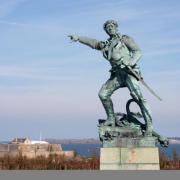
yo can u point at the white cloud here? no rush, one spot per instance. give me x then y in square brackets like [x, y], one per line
[165, 51]
[11, 23]
[7, 6]
[25, 72]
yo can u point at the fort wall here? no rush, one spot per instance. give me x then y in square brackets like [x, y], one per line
[33, 150]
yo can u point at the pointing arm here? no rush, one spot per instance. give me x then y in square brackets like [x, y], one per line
[93, 43]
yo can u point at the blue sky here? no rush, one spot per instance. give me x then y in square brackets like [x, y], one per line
[50, 85]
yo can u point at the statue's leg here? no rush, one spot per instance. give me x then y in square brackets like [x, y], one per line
[105, 96]
[136, 94]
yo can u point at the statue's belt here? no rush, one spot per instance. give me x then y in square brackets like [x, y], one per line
[118, 69]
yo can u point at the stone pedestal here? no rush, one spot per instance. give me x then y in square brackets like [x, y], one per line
[125, 147]
[136, 158]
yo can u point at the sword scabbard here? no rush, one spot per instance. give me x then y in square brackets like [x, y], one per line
[143, 82]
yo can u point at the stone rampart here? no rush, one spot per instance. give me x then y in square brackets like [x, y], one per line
[33, 150]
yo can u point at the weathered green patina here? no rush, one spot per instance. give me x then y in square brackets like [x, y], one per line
[123, 54]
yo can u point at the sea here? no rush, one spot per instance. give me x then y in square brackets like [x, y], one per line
[88, 150]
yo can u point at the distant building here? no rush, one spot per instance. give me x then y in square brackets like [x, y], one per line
[31, 149]
[21, 141]
[39, 142]
[27, 141]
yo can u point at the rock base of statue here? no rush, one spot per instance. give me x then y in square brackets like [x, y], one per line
[124, 147]
[117, 158]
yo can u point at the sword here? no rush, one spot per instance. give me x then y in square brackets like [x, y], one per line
[143, 82]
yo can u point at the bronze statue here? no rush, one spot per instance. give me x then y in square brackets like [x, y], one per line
[123, 54]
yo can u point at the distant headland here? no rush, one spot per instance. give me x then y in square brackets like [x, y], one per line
[73, 141]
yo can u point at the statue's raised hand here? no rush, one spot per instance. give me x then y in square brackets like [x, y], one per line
[74, 38]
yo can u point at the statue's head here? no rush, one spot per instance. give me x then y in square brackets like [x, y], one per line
[110, 26]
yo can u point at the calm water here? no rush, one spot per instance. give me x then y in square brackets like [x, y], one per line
[169, 151]
[88, 149]
[82, 149]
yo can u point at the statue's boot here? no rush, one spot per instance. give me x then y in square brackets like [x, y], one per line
[147, 117]
[110, 121]
[111, 117]
[149, 127]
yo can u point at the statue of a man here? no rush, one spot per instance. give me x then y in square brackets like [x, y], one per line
[121, 51]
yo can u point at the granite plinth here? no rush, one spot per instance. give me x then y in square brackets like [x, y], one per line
[117, 158]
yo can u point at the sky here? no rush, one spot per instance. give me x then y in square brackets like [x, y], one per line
[50, 85]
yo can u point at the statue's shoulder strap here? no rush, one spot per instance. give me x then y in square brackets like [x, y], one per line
[130, 43]
[100, 45]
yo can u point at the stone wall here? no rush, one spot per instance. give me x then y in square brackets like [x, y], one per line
[33, 150]
[69, 154]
